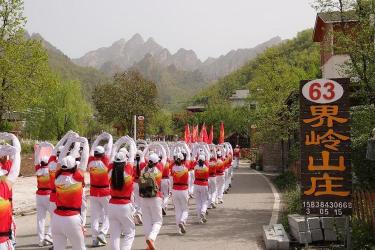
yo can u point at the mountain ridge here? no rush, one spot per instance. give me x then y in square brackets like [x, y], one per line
[122, 55]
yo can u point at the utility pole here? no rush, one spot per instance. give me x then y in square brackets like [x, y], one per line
[135, 128]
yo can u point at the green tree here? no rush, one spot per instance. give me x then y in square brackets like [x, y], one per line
[160, 124]
[360, 47]
[24, 70]
[130, 94]
[63, 108]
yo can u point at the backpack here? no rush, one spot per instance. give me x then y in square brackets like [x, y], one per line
[148, 188]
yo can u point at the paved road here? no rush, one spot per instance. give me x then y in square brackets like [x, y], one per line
[236, 224]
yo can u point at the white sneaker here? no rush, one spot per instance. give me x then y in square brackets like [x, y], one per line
[182, 228]
[48, 239]
[41, 243]
[101, 239]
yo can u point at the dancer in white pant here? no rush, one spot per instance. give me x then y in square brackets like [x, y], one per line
[165, 187]
[43, 192]
[220, 178]
[6, 183]
[99, 193]
[212, 189]
[66, 222]
[139, 164]
[201, 173]
[180, 195]
[151, 201]
[120, 208]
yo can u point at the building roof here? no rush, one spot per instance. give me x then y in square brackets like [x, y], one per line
[336, 16]
[240, 94]
[196, 108]
[331, 18]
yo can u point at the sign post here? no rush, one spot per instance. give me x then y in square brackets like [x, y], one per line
[325, 147]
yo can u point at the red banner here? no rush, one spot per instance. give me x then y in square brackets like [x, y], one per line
[195, 134]
[204, 134]
[187, 134]
[222, 133]
[211, 136]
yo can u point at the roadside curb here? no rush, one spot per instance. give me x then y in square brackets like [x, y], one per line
[277, 199]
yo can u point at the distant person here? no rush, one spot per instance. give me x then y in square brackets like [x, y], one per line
[201, 174]
[43, 192]
[180, 192]
[237, 156]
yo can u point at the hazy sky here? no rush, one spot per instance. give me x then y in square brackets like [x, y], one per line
[209, 27]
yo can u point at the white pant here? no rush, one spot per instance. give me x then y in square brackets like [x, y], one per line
[7, 245]
[52, 208]
[84, 207]
[212, 189]
[66, 228]
[136, 199]
[42, 207]
[201, 198]
[226, 176]
[99, 211]
[152, 217]
[191, 182]
[165, 190]
[236, 162]
[220, 184]
[121, 221]
[181, 205]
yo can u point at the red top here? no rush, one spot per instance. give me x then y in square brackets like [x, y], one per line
[142, 165]
[5, 210]
[42, 179]
[190, 164]
[99, 180]
[69, 190]
[6, 166]
[236, 152]
[166, 170]
[220, 167]
[201, 175]
[180, 176]
[212, 168]
[123, 196]
[52, 165]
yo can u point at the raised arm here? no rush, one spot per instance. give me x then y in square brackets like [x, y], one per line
[122, 140]
[63, 141]
[38, 149]
[15, 153]
[85, 153]
[103, 136]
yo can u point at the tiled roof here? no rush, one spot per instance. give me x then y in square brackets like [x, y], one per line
[336, 16]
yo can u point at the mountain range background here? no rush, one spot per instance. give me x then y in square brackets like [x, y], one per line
[178, 76]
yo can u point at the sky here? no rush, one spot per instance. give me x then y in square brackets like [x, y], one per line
[209, 27]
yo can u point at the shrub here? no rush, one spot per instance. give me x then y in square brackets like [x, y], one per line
[362, 237]
[292, 200]
[286, 181]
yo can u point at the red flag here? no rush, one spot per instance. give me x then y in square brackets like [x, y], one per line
[204, 135]
[222, 133]
[187, 134]
[211, 136]
[195, 134]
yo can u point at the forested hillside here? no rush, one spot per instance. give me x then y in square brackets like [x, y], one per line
[271, 77]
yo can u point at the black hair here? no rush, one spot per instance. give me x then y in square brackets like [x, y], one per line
[43, 164]
[98, 155]
[70, 170]
[117, 176]
[137, 161]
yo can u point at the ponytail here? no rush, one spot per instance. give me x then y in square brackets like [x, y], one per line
[117, 177]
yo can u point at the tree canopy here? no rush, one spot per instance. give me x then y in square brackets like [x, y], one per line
[129, 94]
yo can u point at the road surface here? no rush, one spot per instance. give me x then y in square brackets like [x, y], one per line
[236, 224]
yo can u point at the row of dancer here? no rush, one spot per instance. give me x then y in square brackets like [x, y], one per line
[126, 185]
